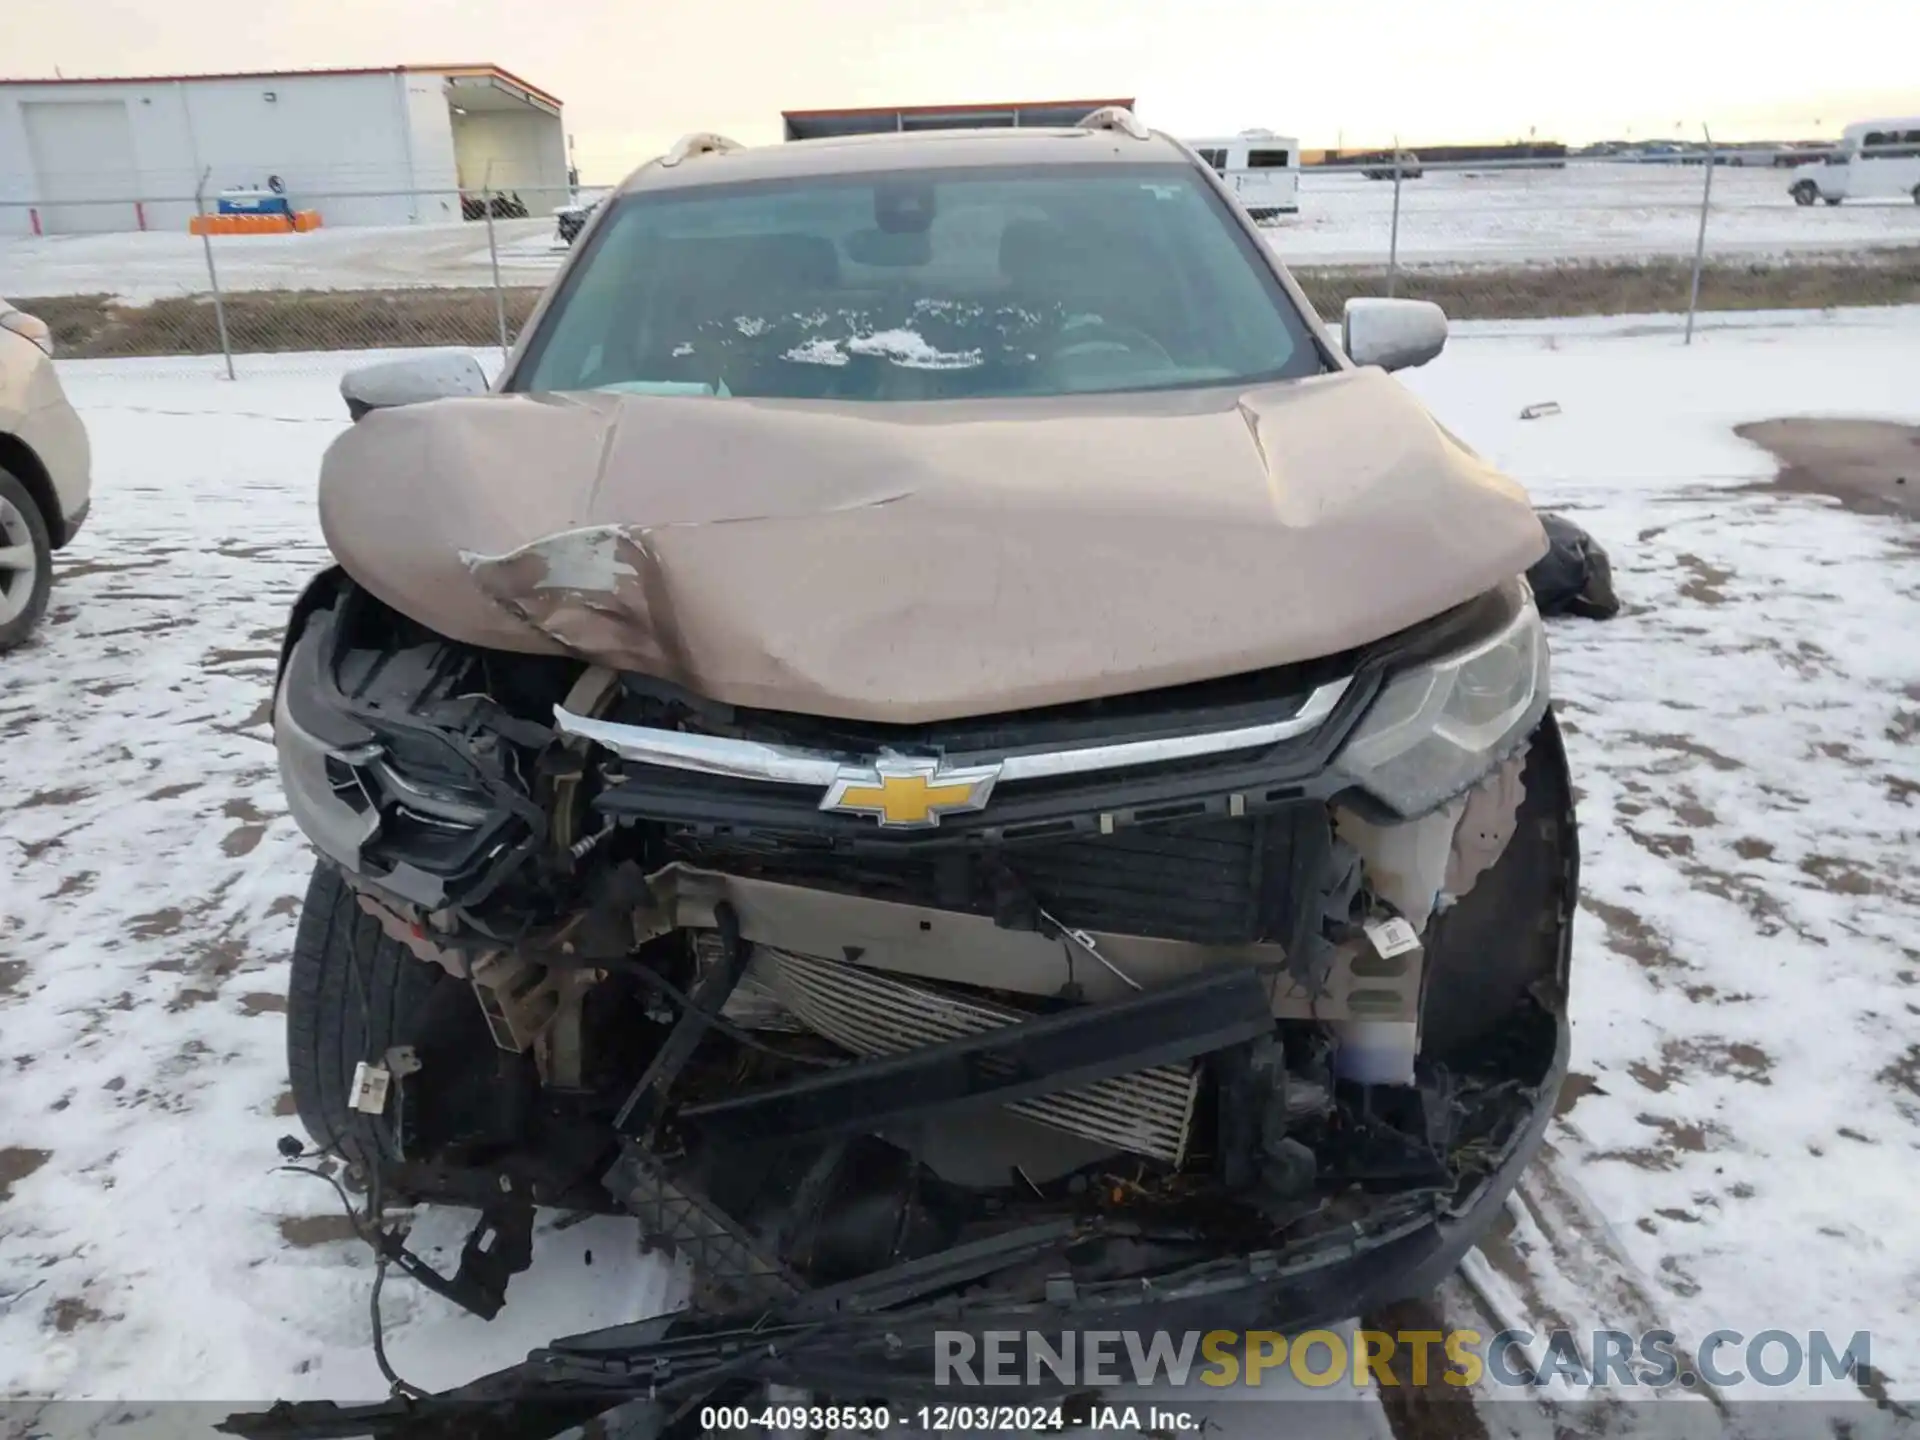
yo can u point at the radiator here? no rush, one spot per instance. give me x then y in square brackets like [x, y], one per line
[868, 1012]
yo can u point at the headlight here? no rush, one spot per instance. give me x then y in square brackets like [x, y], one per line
[1434, 731]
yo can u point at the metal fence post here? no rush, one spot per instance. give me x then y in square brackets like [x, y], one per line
[1700, 244]
[493, 256]
[213, 276]
[1393, 240]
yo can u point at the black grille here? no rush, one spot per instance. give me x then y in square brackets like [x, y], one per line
[1213, 881]
[1198, 881]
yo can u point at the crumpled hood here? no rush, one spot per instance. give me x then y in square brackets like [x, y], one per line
[909, 562]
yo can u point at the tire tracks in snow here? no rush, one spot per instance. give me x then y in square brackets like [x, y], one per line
[1550, 1265]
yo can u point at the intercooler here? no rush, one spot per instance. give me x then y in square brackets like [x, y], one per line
[1149, 1112]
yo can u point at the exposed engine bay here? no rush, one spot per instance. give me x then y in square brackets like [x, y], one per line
[1198, 986]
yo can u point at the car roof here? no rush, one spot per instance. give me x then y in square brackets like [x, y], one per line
[911, 150]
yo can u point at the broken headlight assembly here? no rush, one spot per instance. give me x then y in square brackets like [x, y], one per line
[1437, 729]
[396, 763]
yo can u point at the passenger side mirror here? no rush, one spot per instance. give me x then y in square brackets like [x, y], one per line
[1393, 334]
[409, 382]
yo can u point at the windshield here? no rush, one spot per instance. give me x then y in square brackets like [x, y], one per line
[925, 285]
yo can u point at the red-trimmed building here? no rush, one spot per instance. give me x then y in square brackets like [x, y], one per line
[362, 146]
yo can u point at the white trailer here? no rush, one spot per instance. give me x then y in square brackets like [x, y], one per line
[1262, 168]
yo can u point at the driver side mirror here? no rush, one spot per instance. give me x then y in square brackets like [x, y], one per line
[1393, 334]
[410, 382]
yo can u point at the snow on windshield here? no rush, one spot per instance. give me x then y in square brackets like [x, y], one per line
[927, 334]
[906, 348]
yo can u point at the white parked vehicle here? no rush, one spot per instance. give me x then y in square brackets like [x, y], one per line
[45, 472]
[1262, 168]
[1875, 159]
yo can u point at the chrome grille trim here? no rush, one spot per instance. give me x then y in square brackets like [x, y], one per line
[703, 754]
[791, 765]
[1129, 753]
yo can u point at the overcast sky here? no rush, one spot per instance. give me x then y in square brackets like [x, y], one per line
[636, 73]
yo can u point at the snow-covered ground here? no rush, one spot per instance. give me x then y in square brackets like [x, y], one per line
[1583, 212]
[152, 265]
[1745, 1114]
[1745, 1111]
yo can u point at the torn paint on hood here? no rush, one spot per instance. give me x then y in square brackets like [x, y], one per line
[919, 562]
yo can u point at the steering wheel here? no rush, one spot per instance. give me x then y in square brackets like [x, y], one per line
[1110, 336]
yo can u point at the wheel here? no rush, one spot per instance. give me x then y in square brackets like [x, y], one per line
[354, 991]
[1831, 199]
[1805, 193]
[1916, 194]
[26, 562]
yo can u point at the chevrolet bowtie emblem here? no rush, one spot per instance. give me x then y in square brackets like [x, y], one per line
[909, 794]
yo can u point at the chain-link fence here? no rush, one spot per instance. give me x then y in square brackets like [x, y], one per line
[1486, 239]
[1694, 230]
[459, 268]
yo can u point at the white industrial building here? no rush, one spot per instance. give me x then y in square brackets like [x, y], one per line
[362, 147]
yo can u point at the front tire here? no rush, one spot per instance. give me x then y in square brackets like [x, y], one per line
[353, 992]
[1805, 193]
[26, 563]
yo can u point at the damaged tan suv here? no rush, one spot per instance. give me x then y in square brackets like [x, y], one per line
[939, 741]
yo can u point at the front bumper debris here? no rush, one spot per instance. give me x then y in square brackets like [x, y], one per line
[1198, 916]
[875, 1336]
